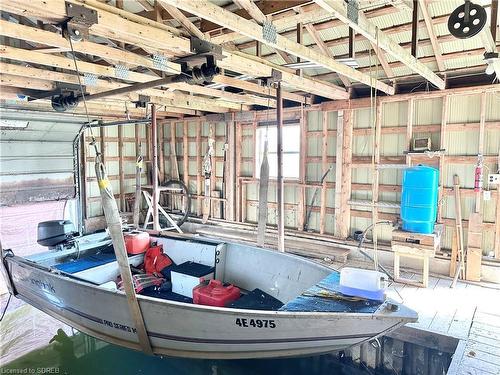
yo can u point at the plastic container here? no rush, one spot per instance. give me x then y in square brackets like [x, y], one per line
[136, 242]
[187, 276]
[215, 294]
[419, 199]
[362, 283]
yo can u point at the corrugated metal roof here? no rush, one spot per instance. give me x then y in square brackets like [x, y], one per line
[401, 17]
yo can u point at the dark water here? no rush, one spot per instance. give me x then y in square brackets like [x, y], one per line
[82, 355]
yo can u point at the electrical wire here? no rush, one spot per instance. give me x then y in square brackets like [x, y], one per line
[6, 307]
[82, 91]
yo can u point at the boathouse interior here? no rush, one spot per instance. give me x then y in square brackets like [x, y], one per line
[291, 125]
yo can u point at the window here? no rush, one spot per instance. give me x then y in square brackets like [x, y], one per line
[291, 149]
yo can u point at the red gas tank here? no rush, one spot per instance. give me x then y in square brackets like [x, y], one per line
[215, 294]
[136, 242]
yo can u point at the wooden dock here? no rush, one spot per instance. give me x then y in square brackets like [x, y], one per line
[470, 312]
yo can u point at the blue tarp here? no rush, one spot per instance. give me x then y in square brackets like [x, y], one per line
[329, 284]
[86, 262]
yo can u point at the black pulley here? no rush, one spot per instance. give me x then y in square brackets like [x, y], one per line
[467, 20]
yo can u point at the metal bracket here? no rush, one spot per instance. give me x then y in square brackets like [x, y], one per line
[81, 18]
[90, 79]
[201, 49]
[143, 101]
[276, 76]
[352, 10]
[121, 71]
[160, 61]
[60, 89]
[269, 32]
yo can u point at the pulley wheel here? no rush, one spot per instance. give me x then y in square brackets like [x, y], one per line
[467, 20]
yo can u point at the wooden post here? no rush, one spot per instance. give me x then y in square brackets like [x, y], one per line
[280, 186]
[375, 177]
[324, 168]
[120, 168]
[480, 152]
[199, 168]
[231, 171]
[238, 172]
[154, 167]
[173, 152]
[213, 180]
[161, 151]
[185, 153]
[497, 218]
[442, 158]
[102, 134]
[343, 173]
[301, 206]
[414, 29]
[409, 130]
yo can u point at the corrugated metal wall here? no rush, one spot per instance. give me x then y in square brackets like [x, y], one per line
[36, 156]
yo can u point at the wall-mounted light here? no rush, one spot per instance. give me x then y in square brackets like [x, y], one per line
[491, 58]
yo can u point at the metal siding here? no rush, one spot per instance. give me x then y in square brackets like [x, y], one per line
[36, 156]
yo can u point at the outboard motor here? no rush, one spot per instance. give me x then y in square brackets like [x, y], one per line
[55, 233]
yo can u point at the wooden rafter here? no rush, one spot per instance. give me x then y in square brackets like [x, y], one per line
[138, 31]
[383, 61]
[373, 34]
[182, 19]
[122, 57]
[145, 5]
[314, 34]
[164, 97]
[207, 10]
[432, 35]
[259, 17]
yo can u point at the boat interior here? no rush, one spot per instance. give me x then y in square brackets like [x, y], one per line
[268, 280]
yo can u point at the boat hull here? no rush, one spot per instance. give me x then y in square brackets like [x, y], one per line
[186, 330]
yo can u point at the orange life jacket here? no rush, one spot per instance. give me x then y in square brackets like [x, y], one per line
[155, 260]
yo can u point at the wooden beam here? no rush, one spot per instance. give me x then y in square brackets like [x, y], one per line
[258, 89]
[123, 57]
[386, 67]
[432, 35]
[28, 77]
[343, 214]
[259, 67]
[314, 34]
[129, 28]
[162, 97]
[373, 34]
[480, 151]
[260, 18]
[207, 10]
[414, 29]
[265, 6]
[31, 34]
[324, 168]
[182, 19]
[145, 5]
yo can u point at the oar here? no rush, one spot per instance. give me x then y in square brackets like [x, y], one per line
[263, 188]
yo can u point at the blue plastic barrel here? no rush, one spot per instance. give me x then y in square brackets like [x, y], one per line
[419, 199]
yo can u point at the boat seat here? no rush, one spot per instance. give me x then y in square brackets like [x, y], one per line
[311, 300]
[87, 262]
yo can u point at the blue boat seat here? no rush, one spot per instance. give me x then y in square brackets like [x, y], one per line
[86, 262]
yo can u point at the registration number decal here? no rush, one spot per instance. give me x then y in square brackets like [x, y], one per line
[255, 323]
